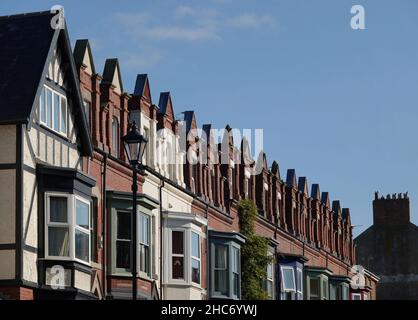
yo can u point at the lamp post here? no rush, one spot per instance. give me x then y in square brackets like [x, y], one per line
[134, 144]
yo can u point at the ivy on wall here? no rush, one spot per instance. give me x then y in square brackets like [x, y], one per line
[254, 254]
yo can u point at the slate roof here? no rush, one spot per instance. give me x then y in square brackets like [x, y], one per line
[303, 185]
[291, 178]
[315, 192]
[25, 40]
[141, 80]
[109, 72]
[26, 43]
[79, 51]
[163, 102]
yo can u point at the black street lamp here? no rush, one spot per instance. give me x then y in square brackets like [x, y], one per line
[135, 144]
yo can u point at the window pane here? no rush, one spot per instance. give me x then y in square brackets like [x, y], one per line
[324, 288]
[58, 241]
[288, 279]
[195, 271]
[270, 270]
[56, 111]
[63, 115]
[58, 209]
[115, 136]
[144, 260]
[144, 227]
[82, 214]
[42, 104]
[87, 111]
[221, 281]
[49, 108]
[178, 242]
[235, 260]
[124, 226]
[82, 242]
[314, 287]
[123, 254]
[195, 245]
[220, 256]
[178, 268]
[236, 284]
[299, 280]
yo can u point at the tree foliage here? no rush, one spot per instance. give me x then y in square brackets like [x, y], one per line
[254, 254]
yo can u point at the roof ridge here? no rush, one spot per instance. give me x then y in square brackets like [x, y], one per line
[28, 14]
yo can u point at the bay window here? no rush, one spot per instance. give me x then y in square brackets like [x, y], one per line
[67, 227]
[317, 285]
[53, 110]
[225, 262]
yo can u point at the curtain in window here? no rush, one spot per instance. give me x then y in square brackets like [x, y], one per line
[178, 254]
[58, 241]
[123, 240]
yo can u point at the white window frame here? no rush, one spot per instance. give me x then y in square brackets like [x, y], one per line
[71, 223]
[198, 259]
[356, 295]
[82, 229]
[270, 279]
[139, 233]
[299, 270]
[45, 123]
[283, 281]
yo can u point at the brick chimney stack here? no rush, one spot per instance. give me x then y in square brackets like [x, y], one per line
[391, 210]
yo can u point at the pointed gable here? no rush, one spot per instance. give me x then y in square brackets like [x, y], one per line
[315, 192]
[303, 186]
[111, 74]
[346, 215]
[336, 207]
[142, 87]
[275, 170]
[325, 199]
[21, 36]
[83, 56]
[189, 120]
[291, 178]
[165, 105]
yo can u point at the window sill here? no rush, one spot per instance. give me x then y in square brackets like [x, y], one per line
[68, 259]
[59, 134]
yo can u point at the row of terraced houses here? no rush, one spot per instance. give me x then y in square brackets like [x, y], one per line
[66, 199]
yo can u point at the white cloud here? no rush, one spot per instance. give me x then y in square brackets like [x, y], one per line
[182, 33]
[251, 21]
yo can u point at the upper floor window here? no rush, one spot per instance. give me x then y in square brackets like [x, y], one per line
[177, 254]
[195, 254]
[144, 244]
[87, 109]
[53, 110]
[67, 221]
[115, 137]
[225, 261]
[288, 279]
[123, 240]
[270, 280]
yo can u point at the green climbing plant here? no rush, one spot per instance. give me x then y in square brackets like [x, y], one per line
[254, 254]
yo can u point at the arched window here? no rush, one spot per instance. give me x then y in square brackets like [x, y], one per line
[115, 137]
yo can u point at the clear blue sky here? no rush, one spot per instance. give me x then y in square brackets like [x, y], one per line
[339, 106]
